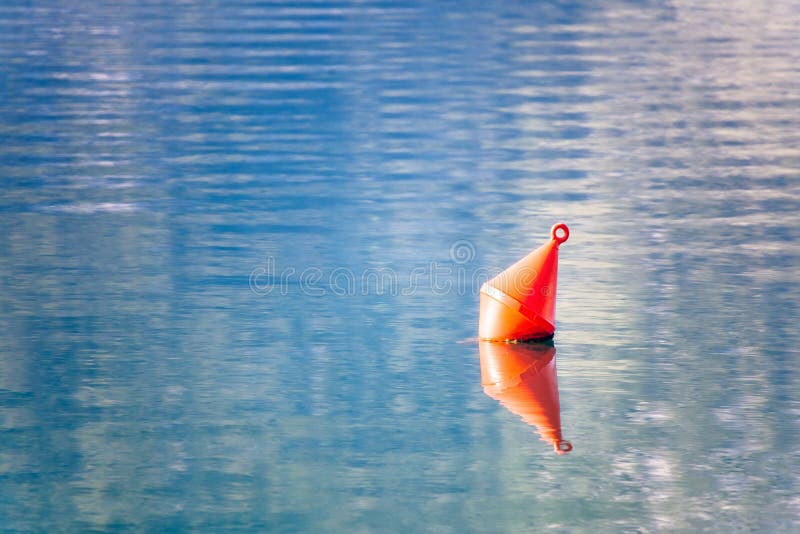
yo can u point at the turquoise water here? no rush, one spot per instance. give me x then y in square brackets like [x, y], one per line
[241, 245]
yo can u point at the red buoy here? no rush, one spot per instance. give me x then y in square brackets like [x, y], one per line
[520, 303]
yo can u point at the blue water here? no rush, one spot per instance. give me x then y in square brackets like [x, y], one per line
[241, 244]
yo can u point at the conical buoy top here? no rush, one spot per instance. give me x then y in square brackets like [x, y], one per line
[520, 302]
[522, 377]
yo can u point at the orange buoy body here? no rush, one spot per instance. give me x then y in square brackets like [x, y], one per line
[522, 377]
[520, 303]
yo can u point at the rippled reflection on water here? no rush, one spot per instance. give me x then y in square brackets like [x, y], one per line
[153, 157]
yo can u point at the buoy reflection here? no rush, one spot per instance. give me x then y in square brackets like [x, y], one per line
[522, 377]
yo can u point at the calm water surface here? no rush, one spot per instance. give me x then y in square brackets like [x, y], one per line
[241, 244]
